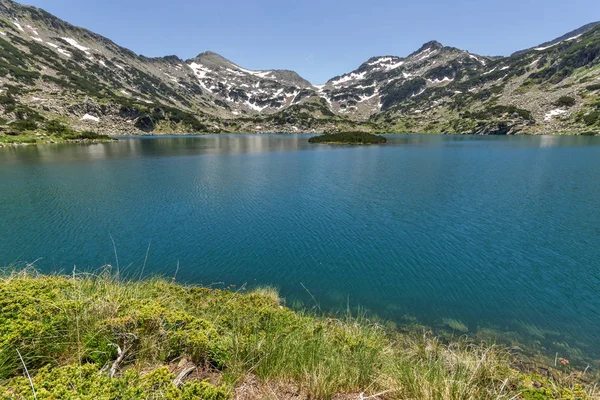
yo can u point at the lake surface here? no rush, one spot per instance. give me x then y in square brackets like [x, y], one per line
[497, 233]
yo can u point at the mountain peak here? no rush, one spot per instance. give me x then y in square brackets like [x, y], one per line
[430, 46]
[210, 55]
[433, 45]
[210, 58]
[172, 58]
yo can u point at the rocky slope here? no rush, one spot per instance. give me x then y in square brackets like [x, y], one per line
[383, 82]
[53, 74]
[550, 89]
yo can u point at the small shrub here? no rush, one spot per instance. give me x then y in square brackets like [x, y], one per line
[593, 87]
[24, 125]
[86, 135]
[57, 127]
[203, 390]
[565, 101]
[591, 118]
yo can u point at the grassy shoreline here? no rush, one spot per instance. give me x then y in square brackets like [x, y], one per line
[95, 336]
[37, 139]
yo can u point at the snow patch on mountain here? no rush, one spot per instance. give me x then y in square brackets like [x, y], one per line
[16, 22]
[32, 29]
[547, 47]
[264, 74]
[367, 98]
[327, 99]
[557, 43]
[474, 57]
[63, 52]
[445, 79]
[260, 74]
[199, 70]
[390, 67]
[428, 52]
[420, 93]
[88, 117]
[554, 113]
[75, 44]
[234, 72]
[386, 63]
[348, 78]
[254, 106]
[382, 60]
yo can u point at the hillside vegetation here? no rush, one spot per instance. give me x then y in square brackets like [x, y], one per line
[97, 337]
[51, 71]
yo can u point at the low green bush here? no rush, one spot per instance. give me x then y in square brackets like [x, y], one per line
[593, 87]
[24, 125]
[591, 118]
[85, 135]
[565, 101]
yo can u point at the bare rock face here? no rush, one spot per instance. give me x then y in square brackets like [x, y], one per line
[50, 69]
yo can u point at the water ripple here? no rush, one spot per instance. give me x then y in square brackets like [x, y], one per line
[497, 232]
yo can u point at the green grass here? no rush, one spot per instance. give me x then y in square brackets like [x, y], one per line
[19, 139]
[48, 136]
[98, 337]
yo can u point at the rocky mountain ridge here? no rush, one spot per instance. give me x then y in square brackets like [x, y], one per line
[53, 74]
[566, 37]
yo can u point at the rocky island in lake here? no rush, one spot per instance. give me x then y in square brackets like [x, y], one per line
[348, 138]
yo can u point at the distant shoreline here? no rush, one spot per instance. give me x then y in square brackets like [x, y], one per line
[115, 137]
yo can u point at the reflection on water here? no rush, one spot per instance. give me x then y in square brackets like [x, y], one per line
[168, 146]
[470, 233]
[157, 147]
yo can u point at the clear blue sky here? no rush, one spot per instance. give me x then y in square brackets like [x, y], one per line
[320, 39]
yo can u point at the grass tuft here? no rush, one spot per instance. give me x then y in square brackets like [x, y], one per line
[97, 336]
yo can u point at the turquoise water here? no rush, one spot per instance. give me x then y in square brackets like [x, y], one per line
[493, 232]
